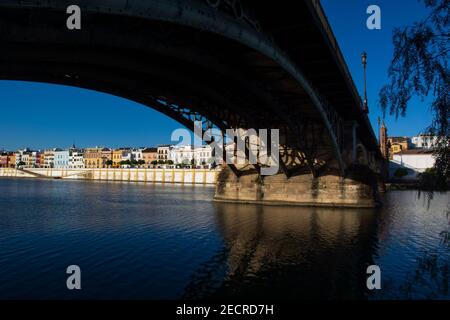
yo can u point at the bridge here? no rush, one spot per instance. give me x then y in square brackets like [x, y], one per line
[226, 63]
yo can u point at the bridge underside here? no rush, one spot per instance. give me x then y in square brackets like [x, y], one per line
[191, 68]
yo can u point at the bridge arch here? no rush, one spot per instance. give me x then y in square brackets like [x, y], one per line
[164, 55]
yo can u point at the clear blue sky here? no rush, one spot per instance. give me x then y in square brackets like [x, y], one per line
[42, 116]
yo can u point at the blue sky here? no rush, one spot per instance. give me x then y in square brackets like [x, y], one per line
[41, 115]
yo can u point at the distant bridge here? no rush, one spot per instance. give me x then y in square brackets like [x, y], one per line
[226, 63]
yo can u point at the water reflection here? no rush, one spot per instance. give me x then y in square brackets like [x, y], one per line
[289, 252]
[150, 241]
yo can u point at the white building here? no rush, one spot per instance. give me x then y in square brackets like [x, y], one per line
[424, 141]
[136, 154]
[180, 155]
[26, 158]
[19, 155]
[163, 153]
[202, 156]
[127, 155]
[415, 161]
[61, 159]
[76, 160]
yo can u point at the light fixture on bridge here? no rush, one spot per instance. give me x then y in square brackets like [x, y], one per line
[365, 103]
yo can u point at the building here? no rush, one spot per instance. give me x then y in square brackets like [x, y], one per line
[127, 155]
[187, 155]
[384, 145]
[33, 160]
[76, 160]
[203, 156]
[117, 157]
[425, 141]
[12, 160]
[415, 161]
[49, 158]
[150, 155]
[137, 154]
[27, 160]
[398, 144]
[181, 155]
[22, 157]
[106, 156]
[93, 158]
[39, 159]
[61, 159]
[4, 160]
[163, 152]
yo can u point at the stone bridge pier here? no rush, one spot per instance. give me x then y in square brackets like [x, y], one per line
[359, 188]
[306, 181]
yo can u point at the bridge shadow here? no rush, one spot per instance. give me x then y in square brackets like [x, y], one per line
[273, 252]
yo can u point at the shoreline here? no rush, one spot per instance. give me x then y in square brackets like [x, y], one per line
[163, 176]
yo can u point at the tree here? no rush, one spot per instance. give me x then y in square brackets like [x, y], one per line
[170, 162]
[154, 162]
[420, 68]
[141, 162]
[109, 163]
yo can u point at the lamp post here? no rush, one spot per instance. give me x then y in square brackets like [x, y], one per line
[365, 103]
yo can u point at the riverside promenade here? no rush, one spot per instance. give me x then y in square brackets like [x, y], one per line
[174, 176]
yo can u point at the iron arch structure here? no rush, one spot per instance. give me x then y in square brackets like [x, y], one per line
[226, 63]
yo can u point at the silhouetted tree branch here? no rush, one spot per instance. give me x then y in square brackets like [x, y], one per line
[420, 68]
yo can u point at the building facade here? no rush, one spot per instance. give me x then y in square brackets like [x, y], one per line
[398, 144]
[150, 155]
[12, 160]
[39, 159]
[93, 158]
[425, 141]
[4, 160]
[61, 159]
[76, 159]
[163, 153]
[117, 157]
[49, 159]
[414, 161]
[188, 155]
[137, 154]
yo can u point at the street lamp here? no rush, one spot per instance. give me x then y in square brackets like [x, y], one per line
[365, 103]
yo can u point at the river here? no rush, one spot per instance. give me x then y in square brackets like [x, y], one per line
[146, 241]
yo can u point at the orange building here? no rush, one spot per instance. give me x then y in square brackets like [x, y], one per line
[4, 160]
[149, 155]
[93, 158]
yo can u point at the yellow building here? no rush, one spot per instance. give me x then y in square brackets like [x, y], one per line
[12, 160]
[117, 157]
[49, 159]
[397, 145]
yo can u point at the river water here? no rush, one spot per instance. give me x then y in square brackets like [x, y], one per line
[138, 241]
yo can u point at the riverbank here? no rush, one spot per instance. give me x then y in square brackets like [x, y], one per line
[176, 176]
